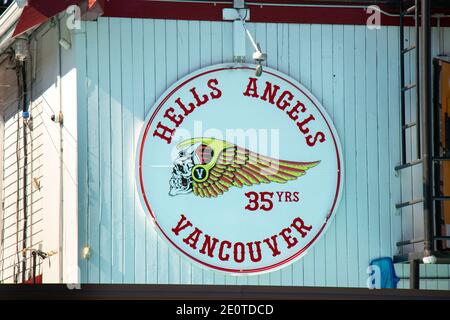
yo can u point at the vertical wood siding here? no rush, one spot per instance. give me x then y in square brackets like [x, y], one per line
[124, 65]
[11, 224]
[43, 158]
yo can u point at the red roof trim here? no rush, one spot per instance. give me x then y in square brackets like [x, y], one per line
[259, 12]
[165, 10]
[39, 11]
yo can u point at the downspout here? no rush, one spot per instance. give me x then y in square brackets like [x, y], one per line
[33, 255]
[61, 161]
[21, 55]
[25, 167]
[427, 129]
[17, 262]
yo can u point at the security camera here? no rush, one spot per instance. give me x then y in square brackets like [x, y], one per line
[258, 70]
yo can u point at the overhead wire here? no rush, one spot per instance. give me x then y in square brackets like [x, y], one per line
[57, 149]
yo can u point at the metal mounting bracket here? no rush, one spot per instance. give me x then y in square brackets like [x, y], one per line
[239, 33]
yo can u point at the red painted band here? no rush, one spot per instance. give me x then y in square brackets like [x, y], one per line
[39, 11]
[258, 12]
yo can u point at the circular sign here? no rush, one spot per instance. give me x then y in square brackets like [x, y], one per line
[240, 173]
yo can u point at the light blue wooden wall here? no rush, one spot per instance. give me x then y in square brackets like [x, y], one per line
[125, 64]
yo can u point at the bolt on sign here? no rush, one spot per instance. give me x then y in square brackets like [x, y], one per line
[241, 174]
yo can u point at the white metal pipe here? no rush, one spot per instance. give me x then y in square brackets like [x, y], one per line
[61, 158]
[248, 33]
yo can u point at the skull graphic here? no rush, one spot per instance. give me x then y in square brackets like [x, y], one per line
[181, 181]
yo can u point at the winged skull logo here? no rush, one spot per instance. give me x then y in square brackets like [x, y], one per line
[209, 167]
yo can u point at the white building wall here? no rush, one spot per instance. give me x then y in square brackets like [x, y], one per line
[124, 65]
[12, 192]
[53, 205]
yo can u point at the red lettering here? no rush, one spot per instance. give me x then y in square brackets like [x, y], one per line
[192, 239]
[319, 136]
[183, 107]
[209, 245]
[200, 101]
[258, 251]
[251, 90]
[239, 252]
[300, 226]
[216, 94]
[284, 99]
[270, 92]
[291, 241]
[279, 194]
[224, 244]
[293, 113]
[273, 245]
[301, 125]
[266, 197]
[180, 226]
[287, 196]
[166, 133]
[176, 119]
[253, 203]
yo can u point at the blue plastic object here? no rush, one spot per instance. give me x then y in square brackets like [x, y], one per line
[25, 115]
[387, 272]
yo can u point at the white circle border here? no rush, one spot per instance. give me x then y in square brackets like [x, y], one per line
[143, 198]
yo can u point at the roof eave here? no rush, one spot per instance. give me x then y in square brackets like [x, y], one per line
[8, 21]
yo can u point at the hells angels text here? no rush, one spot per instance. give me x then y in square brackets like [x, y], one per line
[283, 99]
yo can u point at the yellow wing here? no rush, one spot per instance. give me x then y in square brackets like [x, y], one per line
[238, 167]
